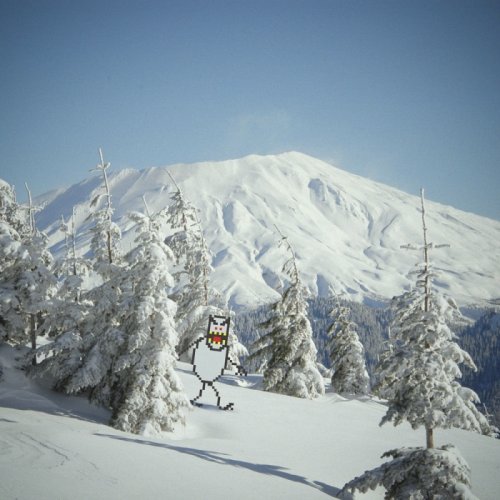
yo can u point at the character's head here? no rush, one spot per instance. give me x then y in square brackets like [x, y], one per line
[218, 332]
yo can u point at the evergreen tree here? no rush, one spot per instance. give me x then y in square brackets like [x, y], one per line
[418, 474]
[71, 264]
[349, 374]
[106, 234]
[153, 399]
[68, 316]
[195, 300]
[287, 350]
[26, 282]
[236, 349]
[417, 375]
[125, 355]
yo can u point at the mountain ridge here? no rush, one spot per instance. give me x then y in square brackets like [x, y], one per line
[346, 229]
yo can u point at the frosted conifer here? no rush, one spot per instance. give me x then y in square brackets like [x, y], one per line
[26, 281]
[194, 298]
[106, 234]
[125, 355]
[349, 374]
[287, 349]
[236, 349]
[68, 317]
[417, 375]
[418, 474]
[150, 397]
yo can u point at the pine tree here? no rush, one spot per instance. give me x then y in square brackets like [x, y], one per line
[125, 354]
[12, 258]
[417, 474]
[106, 234]
[287, 350]
[67, 317]
[26, 282]
[236, 349]
[349, 374]
[417, 375]
[194, 297]
[153, 399]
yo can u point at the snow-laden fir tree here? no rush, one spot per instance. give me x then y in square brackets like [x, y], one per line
[68, 316]
[84, 359]
[287, 349]
[419, 474]
[71, 264]
[418, 376]
[27, 284]
[236, 349]
[347, 355]
[193, 295]
[106, 234]
[124, 357]
[151, 397]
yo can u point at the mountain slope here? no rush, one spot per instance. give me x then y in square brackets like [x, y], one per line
[271, 446]
[346, 230]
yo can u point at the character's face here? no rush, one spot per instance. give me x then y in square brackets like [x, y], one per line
[218, 332]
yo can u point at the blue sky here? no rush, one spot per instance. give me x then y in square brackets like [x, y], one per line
[403, 92]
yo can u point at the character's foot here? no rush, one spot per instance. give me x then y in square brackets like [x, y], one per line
[229, 406]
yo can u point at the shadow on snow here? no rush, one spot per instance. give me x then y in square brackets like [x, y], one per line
[223, 459]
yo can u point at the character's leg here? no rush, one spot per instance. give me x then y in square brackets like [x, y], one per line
[229, 406]
[193, 401]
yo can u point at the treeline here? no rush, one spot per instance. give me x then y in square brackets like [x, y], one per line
[481, 340]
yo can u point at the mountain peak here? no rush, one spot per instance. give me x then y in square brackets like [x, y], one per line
[346, 230]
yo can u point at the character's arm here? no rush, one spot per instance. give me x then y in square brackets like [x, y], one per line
[239, 368]
[191, 345]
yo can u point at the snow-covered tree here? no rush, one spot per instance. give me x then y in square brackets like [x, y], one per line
[26, 282]
[347, 356]
[68, 315]
[236, 349]
[150, 397]
[87, 356]
[287, 349]
[418, 377]
[71, 264]
[418, 474]
[194, 297]
[106, 234]
[124, 353]
[10, 211]
[12, 257]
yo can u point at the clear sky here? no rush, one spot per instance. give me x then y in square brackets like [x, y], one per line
[404, 92]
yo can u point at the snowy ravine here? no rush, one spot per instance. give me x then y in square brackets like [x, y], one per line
[346, 230]
[54, 446]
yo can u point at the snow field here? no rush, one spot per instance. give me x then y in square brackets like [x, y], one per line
[271, 446]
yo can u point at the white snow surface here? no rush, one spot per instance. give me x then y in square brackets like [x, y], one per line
[57, 447]
[346, 230]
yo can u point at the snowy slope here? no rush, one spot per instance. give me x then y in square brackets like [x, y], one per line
[346, 230]
[271, 446]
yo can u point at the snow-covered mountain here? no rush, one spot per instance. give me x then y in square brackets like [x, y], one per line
[346, 230]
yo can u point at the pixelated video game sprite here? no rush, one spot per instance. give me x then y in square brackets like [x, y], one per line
[210, 357]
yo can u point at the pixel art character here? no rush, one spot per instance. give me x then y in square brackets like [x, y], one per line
[210, 357]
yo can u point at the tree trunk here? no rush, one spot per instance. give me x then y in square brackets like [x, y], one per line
[33, 338]
[429, 434]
